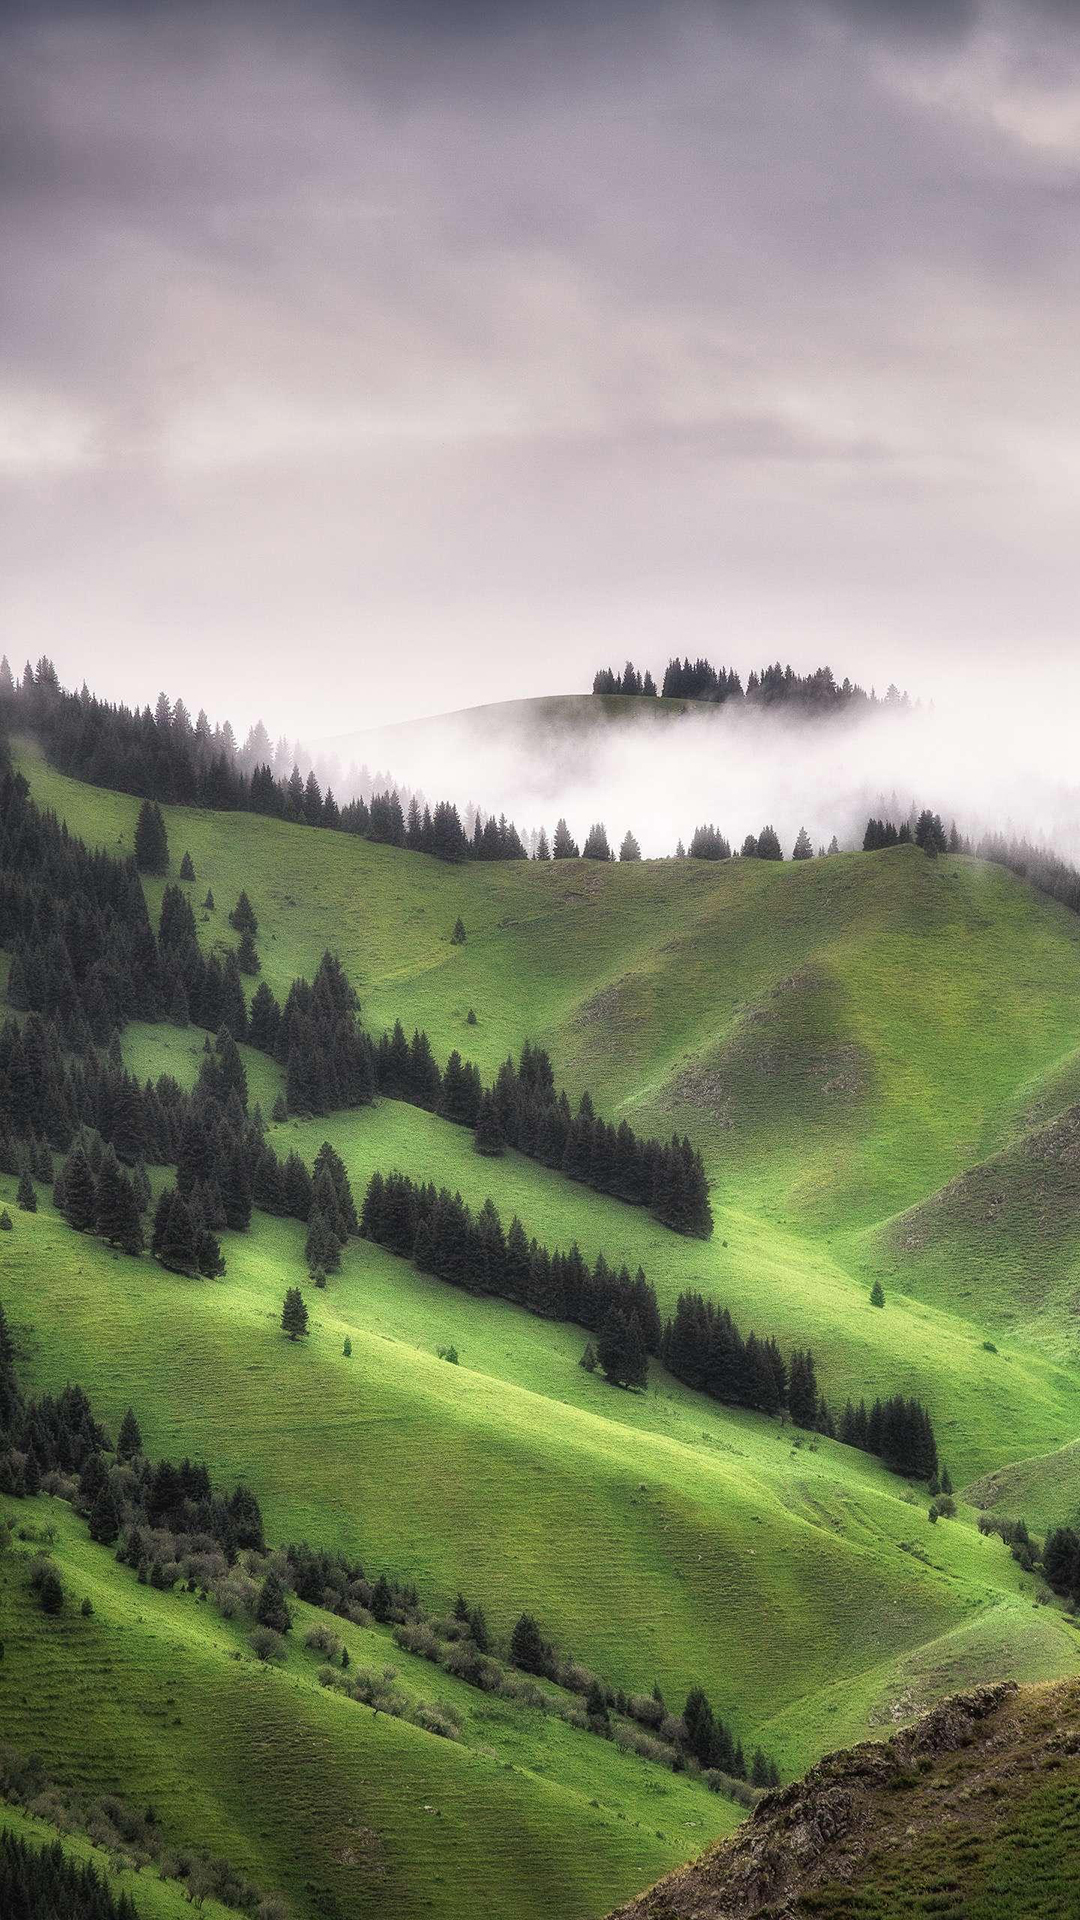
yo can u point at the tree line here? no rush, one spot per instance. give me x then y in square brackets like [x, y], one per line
[768, 686]
[441, 1235]
[1041, 866]
[164, 757]
[525, 1110]
[44, 1880]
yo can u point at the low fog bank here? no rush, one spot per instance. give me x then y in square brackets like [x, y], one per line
[998, 759]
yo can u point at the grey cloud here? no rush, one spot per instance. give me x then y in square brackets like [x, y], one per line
[451, 361]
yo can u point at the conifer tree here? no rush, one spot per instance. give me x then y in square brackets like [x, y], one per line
[528, 1649]
[877, 1294]
[489, 1138]
[596, 843]
[80, 1192]
[187, 868]
[272, 1605]
[802, 849]
[151, 841]
[457, 938]
[630, 850]
[129, 1439]
[294, 1314]
[564, 846]
[543, 851]
[26, 1197]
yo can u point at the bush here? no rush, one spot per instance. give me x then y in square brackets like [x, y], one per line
[415, 1637]
[267, 1644]
[324, 1640]
[440, 1720]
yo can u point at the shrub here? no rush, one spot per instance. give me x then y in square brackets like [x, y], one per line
[267, 1644]
[440, 1720]
[323, 1640]
[415, 1637]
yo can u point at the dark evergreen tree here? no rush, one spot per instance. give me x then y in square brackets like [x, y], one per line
[564, 846]
[294, 1314]
[25, 1196]
[151, 841]
[129, 1439]
[528, 1648]
[489, 1137]
[187, 869]
[802, 850]
[272, 1605]
[630, 849]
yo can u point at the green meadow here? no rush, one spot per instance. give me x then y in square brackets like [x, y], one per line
[875, 1054]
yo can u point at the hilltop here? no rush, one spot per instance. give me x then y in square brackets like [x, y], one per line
[971, 1814]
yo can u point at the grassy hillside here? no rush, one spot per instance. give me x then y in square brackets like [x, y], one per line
[812, 1028]
[972, 1815]
[520, 1816]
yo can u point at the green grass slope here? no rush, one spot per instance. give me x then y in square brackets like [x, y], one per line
[812, 1028]
[802, 1582]
[306, 1791]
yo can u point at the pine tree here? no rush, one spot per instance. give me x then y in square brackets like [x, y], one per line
[347, 1348]
[272, 1605]
[80, 1192]
[294, 1314]
[489, 1138]
[564, 846]
[151, 841]
[596, 843]
[187, 868]
[877, 1294]
[247, 953]
[528, 1649]
[543, 851]
[630, 850]
[178, 1243]
[457, 938]
[242, 917]
[26, 1197]
[129, 1439]
[802, 849]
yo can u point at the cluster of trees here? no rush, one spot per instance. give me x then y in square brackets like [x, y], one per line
[703, 1347]
[927, 831]
[899, 1431]
[818, 692]
[317, 1038]
[167, 757]
[1061, 1562]
[46, 1881]
[441, 1235]
[524, 1109]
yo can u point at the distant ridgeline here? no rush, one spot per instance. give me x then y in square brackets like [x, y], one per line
[774, 686]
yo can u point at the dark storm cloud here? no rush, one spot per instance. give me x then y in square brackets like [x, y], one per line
[447, 350]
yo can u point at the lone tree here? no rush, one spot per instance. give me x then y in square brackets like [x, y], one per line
[877, 1294]
[802, 849]
[294, 1318]
[151, 840]
[630, 850]
[457, 938]
[187, 868]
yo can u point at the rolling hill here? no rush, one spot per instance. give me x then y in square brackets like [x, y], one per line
[811, 1027]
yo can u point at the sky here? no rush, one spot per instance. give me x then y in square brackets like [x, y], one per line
[364, 362]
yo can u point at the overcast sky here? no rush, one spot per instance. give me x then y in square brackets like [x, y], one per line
[364, 362]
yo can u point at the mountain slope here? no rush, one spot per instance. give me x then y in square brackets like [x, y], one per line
[971, 1814]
